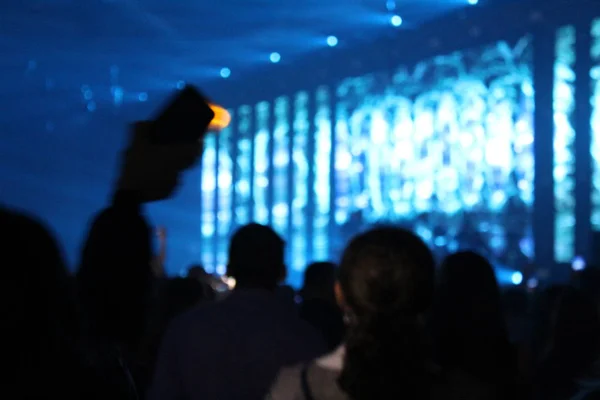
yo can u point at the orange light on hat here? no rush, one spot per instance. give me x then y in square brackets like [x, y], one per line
[222, 118]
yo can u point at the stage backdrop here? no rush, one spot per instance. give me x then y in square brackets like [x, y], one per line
[595, 122]
[564, 144]
[444, 147]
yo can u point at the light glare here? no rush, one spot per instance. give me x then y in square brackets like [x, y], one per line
[225, 73]
[275, 57]
[516, 278]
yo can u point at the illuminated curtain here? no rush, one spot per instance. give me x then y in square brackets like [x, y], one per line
[595, 121]
[320, 187]
[564, 144]
[300, 157]
[225, 195]
[209, 186]
[260, 180]
[243, 168]
[281, 164]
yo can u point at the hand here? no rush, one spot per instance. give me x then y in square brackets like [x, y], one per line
[161, 234]
[158, 267]
[153, 171]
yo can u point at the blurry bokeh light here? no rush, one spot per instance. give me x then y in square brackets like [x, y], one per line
[275, 57]
[225, 73]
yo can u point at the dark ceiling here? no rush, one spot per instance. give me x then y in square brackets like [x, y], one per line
[151, 45]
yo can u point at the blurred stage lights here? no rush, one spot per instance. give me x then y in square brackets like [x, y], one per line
[396, 20]
[578, 264]
[225, 73]
[275, 57]
[473, 2]
[332, 41]
[516, 278]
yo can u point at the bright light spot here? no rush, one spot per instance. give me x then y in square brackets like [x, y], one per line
[332, 41]
[343, 160]
[224, 180]
[281, 159]
[225, 73]
[143, 97]
[118, 94]
[230, 283]
[209, 183]
[578, 264]
[473, 2]
[262, 182]
[516, 278]
[396, 20]
[390, 5]
[532, 283]
[207, 231]
[280, 210]
[275, 57]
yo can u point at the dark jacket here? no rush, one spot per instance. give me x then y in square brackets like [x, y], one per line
[232, 349]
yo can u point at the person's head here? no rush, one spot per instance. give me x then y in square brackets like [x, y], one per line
[589, 283]
[40, 308]
[319, 281]
[467, 282]
[154, 170]
[545, 302]
[256, 257]
[386, 283]
[468, 322]
[35, 270]
[574, 333]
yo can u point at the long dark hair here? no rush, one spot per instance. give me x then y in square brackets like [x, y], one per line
[387, 279]
[468, 324]
[574, 342]
[41, 310]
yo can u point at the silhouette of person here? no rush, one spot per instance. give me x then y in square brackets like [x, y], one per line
[385, 287]
[319, 307]
[234, 348]
[468, 325]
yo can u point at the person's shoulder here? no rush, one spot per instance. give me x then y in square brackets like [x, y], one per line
[321, 382]
[287, 385]
[199, 317]
[309, 336]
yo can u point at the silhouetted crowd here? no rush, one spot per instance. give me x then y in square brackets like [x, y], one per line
[386, 323]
